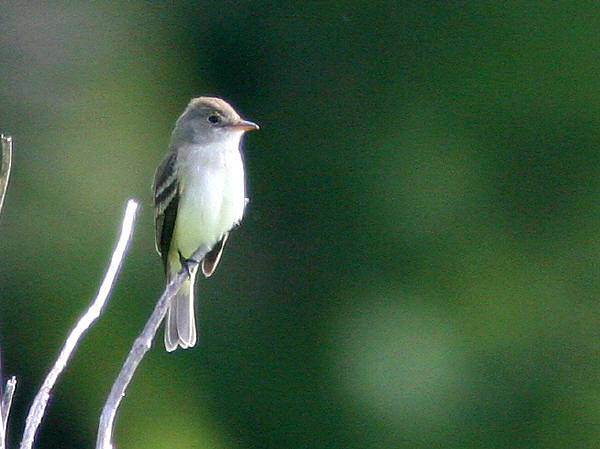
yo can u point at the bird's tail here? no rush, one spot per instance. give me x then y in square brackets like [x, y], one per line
[180, 325]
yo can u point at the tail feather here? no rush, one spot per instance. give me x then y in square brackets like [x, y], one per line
[180, 326]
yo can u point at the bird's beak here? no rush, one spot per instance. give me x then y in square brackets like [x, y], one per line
[244, 125]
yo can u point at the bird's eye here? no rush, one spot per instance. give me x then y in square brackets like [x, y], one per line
[214, 118]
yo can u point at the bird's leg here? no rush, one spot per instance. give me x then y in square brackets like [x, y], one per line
[187, 263]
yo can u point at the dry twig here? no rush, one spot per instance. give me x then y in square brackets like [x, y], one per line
[7, 395]
[140, 346]
[5, 164]
[5, 404]
[37, 410]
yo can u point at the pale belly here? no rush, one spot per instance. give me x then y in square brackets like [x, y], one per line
[212, 202]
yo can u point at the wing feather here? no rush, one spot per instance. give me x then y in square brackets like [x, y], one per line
[166, 201]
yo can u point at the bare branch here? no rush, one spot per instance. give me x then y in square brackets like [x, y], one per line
[5, 164]
[141, 345]
[5, 404]
[36, 412]
[9, 391]
[7, 395]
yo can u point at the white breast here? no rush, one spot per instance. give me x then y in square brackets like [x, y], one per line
[212, 201]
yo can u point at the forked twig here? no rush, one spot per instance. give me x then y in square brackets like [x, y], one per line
[36, 412]
[141, 345]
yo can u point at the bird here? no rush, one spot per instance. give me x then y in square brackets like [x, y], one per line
[199, 197]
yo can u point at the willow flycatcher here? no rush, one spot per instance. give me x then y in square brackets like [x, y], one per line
[199, 196]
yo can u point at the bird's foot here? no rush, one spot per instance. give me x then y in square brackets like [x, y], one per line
[188, 263]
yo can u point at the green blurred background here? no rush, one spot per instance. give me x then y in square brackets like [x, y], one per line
[419, 264]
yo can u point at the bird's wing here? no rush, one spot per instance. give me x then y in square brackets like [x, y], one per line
[166, 200]
[212, 258]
